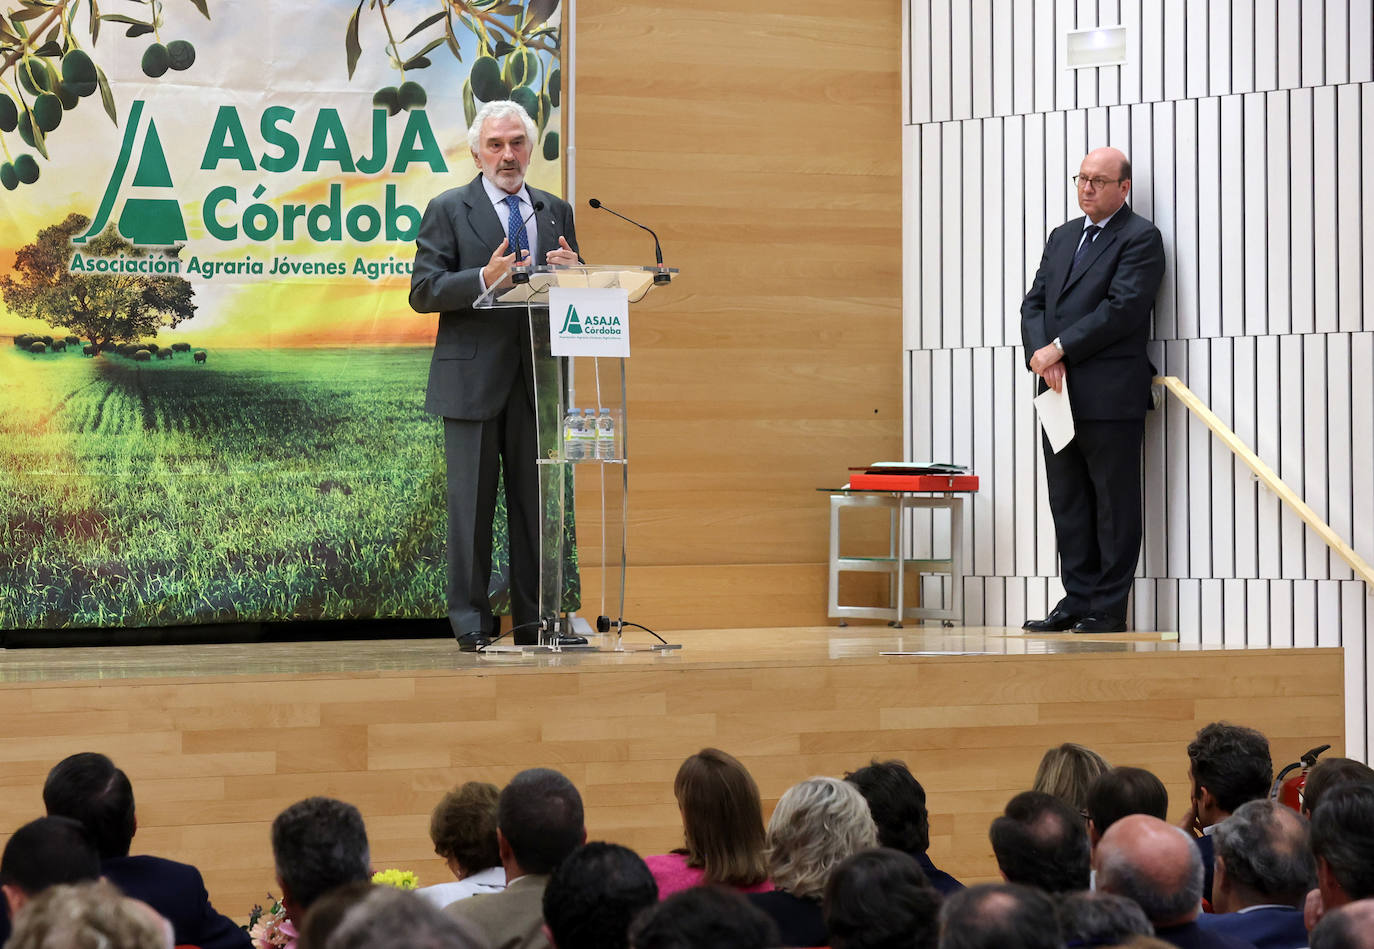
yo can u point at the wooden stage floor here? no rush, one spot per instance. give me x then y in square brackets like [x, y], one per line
[710, 646]
[217, 739]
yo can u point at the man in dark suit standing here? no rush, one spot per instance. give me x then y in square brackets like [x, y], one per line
[1085, 322]
[481, 378]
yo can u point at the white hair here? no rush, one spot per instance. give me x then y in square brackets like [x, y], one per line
[816, 825]
[385, 914]
[500, 109]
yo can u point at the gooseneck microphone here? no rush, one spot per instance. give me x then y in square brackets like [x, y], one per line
[524, 277]
[662, 276]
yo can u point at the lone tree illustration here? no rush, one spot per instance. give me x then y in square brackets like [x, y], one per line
[105, 308]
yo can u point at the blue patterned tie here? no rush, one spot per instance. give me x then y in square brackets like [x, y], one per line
[1089, 235]
[515, 227]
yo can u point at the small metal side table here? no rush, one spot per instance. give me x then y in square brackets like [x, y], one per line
[895, 564]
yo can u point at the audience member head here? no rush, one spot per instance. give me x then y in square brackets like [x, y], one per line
[898, 804]
[722, 819]
[539, 820]
[704, 917]
[817, 824]
[91, 915]
[1067, 771]
[1120, 792]
[880, 899]
[388, 918]
[44, 853]
[463, 828]
[1342, 833]
[318, 843]
[1331, 773]
[327, 912]
[593, 896]
[1262, 857]
[1040, 841]
[1113, 169]
[87, 787]
[1348, 927]
[999, 916]
[1153, 863]
[1227, 766]
[1099, 919]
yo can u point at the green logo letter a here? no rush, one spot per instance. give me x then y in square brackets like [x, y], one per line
[152, 221]
[572, 324]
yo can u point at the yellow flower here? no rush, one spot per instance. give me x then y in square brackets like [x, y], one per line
[401, 879]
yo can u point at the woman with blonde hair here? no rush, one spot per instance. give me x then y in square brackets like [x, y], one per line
[722, 826]
[1067, 772]
[815, 827]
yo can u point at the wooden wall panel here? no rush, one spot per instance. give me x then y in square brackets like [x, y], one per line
[1245, 124]
[763, 143]
[214, 759]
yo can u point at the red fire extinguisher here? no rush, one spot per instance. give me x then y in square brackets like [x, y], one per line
[1288, 787]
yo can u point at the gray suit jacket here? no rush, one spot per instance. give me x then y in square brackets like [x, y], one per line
[476, 352]
[511, 919]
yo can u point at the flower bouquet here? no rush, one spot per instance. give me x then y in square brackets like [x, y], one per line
[269, 928]
[400, 879]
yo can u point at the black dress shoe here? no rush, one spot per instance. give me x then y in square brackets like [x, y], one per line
[1058, 621]
[1097, 622]
[471, 642]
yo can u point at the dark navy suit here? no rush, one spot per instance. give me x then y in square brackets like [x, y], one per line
[1268, 927]
[177, 891]
[800, 922]
[945, 884]
[1193, 936]
[1206, 847]
[1100, 312]
[173, 889]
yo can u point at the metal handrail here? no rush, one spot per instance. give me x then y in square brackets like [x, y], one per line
[1267, 475]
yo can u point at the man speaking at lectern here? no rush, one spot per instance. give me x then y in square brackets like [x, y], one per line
[1084, 323]
[481, 380]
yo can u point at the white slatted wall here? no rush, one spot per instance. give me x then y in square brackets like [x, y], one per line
[1250, 127]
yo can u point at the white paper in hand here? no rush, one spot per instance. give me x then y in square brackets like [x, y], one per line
[1056, 418]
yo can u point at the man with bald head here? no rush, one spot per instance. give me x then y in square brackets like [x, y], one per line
[1084, 324]
[999, 916]
[1156, 864]
[1264, 869]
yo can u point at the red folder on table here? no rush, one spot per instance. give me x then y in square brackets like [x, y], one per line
[913, 482]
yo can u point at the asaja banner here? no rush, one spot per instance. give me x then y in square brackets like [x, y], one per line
[586, 321]
[210, 378]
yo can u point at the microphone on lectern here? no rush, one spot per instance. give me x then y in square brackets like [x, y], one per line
[662, 275]
[524, 276]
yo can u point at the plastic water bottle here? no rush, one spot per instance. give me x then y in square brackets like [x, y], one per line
[605, 435]
[588, 436]
[574, 441]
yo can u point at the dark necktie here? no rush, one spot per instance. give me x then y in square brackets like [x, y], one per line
[1089, 235]
[515, 227]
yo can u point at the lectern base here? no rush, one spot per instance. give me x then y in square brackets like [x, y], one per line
[596, 644]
